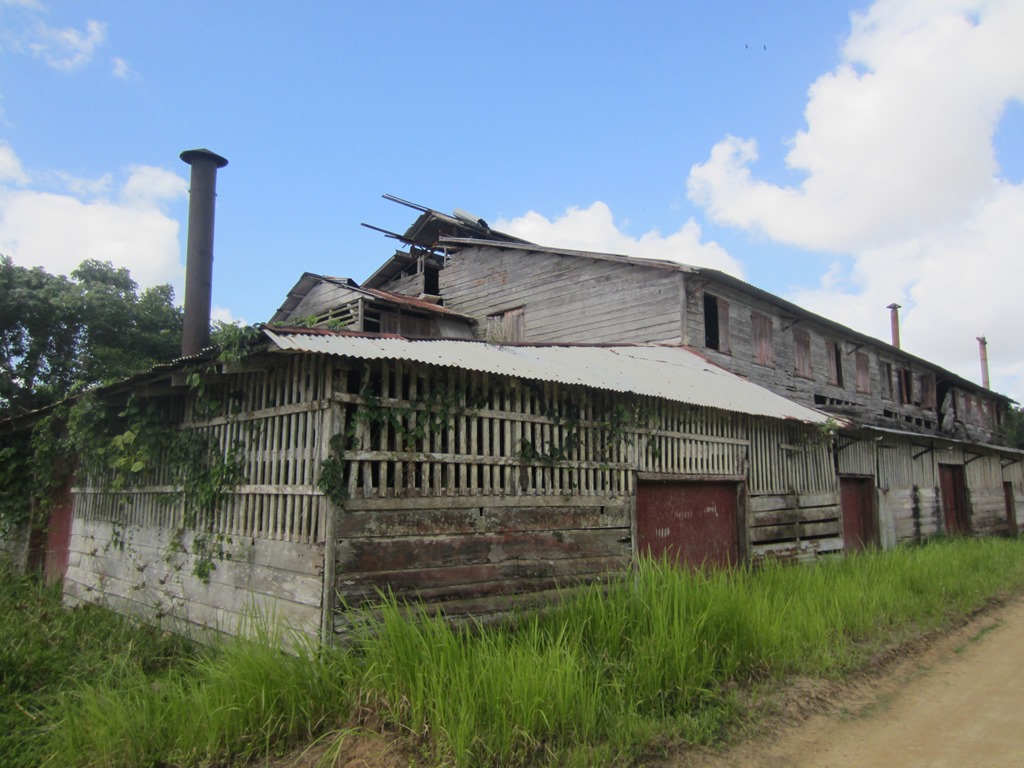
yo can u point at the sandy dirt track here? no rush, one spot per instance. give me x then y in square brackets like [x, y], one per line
[960, 702]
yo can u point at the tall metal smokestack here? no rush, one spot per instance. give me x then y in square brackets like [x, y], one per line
[199, 254]
[983, 350]
[894, 319]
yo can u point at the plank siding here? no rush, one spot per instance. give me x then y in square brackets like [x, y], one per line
[605, 302]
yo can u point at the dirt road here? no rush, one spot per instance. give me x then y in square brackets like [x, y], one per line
[959, 703]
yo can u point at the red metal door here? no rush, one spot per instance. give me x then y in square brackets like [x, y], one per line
[1011, 509]
[860, 523]
[50, 544]
[58, 537]
[695, 524]
[954, 499]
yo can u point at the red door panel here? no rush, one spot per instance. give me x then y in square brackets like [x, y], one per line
[860, 523]
[695, 524]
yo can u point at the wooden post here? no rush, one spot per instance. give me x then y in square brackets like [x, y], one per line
[333, 422]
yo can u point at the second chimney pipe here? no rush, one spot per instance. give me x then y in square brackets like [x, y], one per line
[894, 319]
[199, 254]
[983, 350]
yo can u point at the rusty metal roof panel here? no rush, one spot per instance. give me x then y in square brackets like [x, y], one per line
[670, 372]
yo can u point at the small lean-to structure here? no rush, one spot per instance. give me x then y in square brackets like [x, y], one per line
[472, 476]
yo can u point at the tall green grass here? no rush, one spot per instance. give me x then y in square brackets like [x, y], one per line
[46, 651]
[613, 670]
[237, 700]
[655, 655]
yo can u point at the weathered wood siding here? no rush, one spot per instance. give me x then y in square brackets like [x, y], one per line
[876, 399]
[520, 487]
[583, 299]
[132, 548]
[566, 299]
[322, 298]
[906, 474]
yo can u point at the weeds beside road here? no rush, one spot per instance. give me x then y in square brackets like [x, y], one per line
[612, 674]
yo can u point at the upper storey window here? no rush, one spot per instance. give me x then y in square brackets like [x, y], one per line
[802, 351]
[761, 339]
[834, 353]
[716, 323]
[508, 327]
[863, 373]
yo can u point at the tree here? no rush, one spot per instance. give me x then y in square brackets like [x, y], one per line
[1013, 427]
[59, 334]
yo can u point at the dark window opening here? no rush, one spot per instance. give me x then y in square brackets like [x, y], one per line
[716, 323]
[834, 351]
[906, 382]
[432, 282]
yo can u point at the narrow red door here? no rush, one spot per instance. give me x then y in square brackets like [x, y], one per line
[860, 523]
[58, 536]
[695, 524]
[1011, 509]
[954, 499]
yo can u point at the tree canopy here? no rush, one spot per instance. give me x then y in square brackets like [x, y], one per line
[60, 333]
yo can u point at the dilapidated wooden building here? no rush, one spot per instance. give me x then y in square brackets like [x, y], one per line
[484, 421]
[468, 475]
[921, 451]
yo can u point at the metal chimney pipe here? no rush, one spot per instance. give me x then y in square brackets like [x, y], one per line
[983, 349]
[199, 253]
[894, 319]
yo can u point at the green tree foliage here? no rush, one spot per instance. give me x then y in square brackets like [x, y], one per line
[1013, 427]
[63, 333]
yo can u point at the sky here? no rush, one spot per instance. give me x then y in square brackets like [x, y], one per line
[843, 155]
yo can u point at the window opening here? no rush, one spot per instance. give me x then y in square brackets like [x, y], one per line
[906, 383]
[716, 323]
[863, 373]
[885, 379]
[761, 333]
[834, 352]
[802, 352]
[928, 391]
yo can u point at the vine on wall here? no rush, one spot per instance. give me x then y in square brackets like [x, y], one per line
[118, 445]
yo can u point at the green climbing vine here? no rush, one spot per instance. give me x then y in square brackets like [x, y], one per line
[131, 441]
[409, 424]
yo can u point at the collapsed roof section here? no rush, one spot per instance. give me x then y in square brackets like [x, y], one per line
[425, 239]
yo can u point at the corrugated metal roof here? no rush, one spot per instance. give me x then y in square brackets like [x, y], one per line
[671, 372]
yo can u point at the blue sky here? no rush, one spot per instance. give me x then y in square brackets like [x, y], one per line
[843, 155]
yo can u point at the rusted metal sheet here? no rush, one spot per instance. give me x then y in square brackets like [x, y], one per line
[694, 524]
[671, 372]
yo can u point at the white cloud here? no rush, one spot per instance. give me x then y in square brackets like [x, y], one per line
[81, 187]
[10, 166]
[120, 68]
[225, 315]
[58, 230]
[594, 229]
[149, 187]
[901, 175]
[67, 49]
